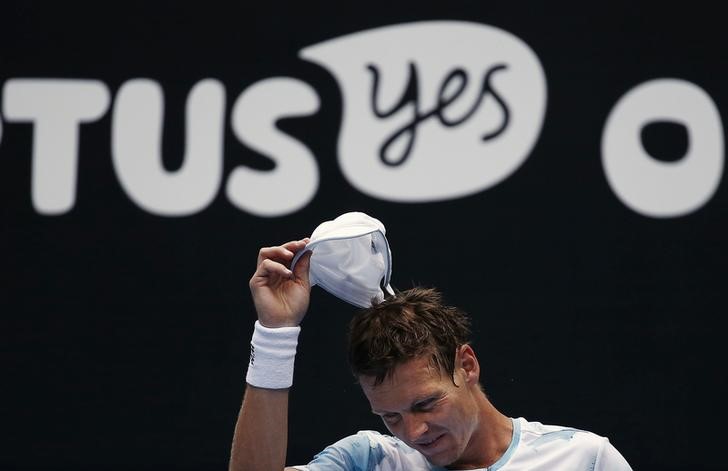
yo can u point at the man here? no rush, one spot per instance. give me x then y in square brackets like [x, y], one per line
[411, 356]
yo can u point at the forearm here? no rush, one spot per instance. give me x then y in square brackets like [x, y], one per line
[261, 432]
[281, 297]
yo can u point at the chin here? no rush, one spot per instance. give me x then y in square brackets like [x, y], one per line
[445, 458]
[449, 457]
[439, 461]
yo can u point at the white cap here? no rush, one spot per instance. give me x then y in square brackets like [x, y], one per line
[351, 259]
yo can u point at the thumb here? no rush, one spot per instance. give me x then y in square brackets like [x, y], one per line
[302, 267]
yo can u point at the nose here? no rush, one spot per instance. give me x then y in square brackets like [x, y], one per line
[414, 427]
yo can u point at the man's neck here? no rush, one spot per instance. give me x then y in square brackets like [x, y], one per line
[489, 441]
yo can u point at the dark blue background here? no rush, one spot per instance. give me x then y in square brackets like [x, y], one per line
[124, 335]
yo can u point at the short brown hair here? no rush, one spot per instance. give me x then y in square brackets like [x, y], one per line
[405, 326]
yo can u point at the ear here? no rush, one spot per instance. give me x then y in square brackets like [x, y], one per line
[467, 363]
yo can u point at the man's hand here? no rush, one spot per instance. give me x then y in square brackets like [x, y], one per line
[280, 295]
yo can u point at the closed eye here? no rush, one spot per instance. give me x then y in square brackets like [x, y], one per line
[428, 404]
[391, 418]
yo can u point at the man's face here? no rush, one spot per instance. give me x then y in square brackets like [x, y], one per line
[423, 408]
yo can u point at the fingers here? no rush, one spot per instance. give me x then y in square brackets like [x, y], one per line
[282, 253]
[278, 253]
[269, 273]
[268, 267]
[274, 262]
[296, 245]
[301, 268]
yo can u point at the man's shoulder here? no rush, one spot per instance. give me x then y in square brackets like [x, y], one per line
[364, 435]
[556, 443]
[537, 434]
[374, 442]
[368, 450]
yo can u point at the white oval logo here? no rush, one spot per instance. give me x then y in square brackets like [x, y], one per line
[433, 110]
[664, 189]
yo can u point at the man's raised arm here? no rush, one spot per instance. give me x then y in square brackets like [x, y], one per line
[281, 299]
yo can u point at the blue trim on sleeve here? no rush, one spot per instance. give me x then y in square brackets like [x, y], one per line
[515, 440]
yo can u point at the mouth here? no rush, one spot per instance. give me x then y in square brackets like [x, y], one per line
[428, 445]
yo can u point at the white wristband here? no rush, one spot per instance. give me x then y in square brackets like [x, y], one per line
[272, 353]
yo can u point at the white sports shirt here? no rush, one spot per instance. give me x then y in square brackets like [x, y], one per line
[534, 447]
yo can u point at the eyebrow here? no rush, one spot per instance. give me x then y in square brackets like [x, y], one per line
[417, 403]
